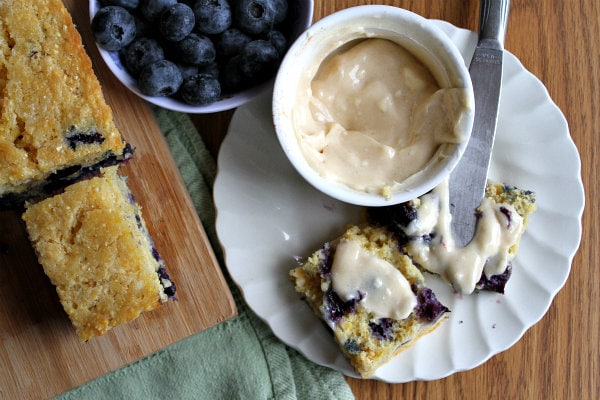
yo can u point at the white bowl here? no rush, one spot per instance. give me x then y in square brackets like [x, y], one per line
[300, 14]
[411, 31]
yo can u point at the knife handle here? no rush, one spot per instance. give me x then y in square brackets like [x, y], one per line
[493, 17]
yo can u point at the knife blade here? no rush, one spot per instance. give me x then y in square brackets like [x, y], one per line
[468, 179]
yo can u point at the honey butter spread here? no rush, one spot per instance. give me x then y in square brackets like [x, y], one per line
[499, 230]
[359, 275]
[374, 115]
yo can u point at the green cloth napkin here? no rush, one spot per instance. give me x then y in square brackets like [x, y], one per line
[237, 359]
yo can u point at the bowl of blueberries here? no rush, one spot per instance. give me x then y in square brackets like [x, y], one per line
[197, 56]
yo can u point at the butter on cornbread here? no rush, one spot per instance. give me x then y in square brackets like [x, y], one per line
[362, 325]
[93, 244]
[55, 125]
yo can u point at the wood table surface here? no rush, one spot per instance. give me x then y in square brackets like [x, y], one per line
[559, 357]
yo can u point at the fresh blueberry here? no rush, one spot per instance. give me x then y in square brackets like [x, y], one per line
[200, 89]
[76, 137]
[281, 9]
[187, 70]
[152, 9]
[232, 79]
[164, 277]
[326, 260]
[211, 69]
[128, 4]
[176, 22]
[141, 52]
[255, 17]
[212, 16]
[335, 308]
[231, 42]
[278, 40]
[161, 78]
[196, 49]
[144, 28]
[382, 329]
[259, 60]
[113, 28]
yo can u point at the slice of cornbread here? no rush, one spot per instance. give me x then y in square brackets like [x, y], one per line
[422, 227]
[93, 244]
[380, 318]
[55, 125]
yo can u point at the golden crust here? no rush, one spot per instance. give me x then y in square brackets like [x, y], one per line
[47, 88]
[90, 245]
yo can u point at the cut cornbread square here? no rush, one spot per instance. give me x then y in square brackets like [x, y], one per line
[93, 244]
[423, 229]
[55, 125]
[379, 319]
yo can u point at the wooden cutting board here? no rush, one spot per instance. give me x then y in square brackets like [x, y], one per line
[40, 355]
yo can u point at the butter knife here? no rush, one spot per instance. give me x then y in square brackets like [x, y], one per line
[468, 179]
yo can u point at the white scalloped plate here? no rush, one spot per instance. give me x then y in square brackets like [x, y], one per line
[268, 216]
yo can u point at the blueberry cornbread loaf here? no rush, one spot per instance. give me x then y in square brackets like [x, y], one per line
[423, 229]
[92, 243]
[371, 296]
[55, 125]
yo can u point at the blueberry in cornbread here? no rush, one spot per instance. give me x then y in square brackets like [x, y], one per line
[94, 246]
[55, 125]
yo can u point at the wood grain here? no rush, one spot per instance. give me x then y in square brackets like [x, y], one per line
[39, 352]
[559, 357]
